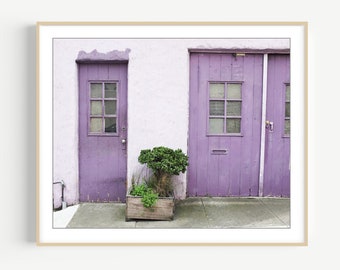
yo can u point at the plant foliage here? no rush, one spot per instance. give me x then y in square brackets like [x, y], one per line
[149, 197]
[164, 162]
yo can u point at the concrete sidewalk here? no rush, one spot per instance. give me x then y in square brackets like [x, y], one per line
[202, 212]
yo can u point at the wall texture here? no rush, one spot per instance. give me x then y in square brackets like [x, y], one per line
[158, 97]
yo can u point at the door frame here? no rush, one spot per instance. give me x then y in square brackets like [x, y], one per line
[236, 52]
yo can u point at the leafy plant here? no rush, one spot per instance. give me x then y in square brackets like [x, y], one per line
[149, 197]
[164, 162]
[138, 190]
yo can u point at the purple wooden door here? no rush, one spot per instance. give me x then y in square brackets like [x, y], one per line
[224, 124]
[102, 132]
[277, 147]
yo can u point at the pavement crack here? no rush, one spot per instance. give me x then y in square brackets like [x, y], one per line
[272, 212]
[205, 212]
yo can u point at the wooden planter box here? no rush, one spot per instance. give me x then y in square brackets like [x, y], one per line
[162, 210]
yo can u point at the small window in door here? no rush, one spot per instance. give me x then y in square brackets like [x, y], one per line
[225, 108]
[287, 111]
[103, 108]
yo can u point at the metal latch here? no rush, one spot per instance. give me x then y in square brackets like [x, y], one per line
[270, 125]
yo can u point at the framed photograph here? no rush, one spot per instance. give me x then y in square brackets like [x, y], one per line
[172, 133]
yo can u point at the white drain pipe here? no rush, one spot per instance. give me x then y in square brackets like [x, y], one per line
[63, 203]
[263, 125]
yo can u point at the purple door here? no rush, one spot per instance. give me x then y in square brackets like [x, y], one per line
[277, 142]
[224, 124]
[102, 132]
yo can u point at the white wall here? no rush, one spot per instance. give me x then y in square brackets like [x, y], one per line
[158, 97]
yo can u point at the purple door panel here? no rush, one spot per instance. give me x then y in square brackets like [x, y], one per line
[277, 154]
[224, 124]
[102, 131]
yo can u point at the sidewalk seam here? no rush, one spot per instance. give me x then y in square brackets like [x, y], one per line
[205, 213]
[272, 212]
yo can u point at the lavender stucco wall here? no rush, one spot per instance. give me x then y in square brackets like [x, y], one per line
[158, 97]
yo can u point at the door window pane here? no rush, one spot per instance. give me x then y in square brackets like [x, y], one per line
[216, 125]
[234, 108]
[96, 90]
[110, 90]
[234, 91]
[287, 127]
[287, 109]
[110, 125]
[96, 107]
[288, 93]
[216, 90]
[233, 125]
[110, 107]
[95, 125]
[216, 107]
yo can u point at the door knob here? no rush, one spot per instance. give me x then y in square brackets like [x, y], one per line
[123, 141]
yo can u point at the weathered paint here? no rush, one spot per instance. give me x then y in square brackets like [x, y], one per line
[102, 158]
[277, 153]
[98, 57]
[236, 172]
[158, 97]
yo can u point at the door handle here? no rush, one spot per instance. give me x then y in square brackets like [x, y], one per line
[123, 141]
[270, 125]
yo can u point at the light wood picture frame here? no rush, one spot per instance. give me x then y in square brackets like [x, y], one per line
[47, 32]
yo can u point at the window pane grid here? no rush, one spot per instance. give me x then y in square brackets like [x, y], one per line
[103, 108]
[287, 111]
[224, 119]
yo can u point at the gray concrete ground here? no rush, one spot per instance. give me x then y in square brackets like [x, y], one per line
[206, 213]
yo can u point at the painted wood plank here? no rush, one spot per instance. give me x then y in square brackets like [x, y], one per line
[193, 123]
[257, 123]
[237, 68]
[214, 74]
[203, 147]
[225, 161]
[248, 143]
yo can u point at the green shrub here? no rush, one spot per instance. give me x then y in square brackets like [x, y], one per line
[164, 162]
[149, 197]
